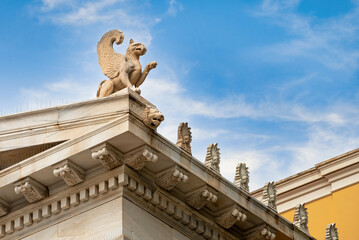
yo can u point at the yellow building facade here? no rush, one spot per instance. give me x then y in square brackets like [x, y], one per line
[330, 192]
[341, 207]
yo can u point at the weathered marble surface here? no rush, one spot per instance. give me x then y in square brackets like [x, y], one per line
[111, 220]
[93, 224]
[135, 219]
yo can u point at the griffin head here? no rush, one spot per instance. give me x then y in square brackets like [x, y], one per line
[136, 49]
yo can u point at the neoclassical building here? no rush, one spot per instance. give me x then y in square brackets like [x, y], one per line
[99, 170]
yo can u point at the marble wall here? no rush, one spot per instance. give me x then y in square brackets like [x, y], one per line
[108, 222]
[102, 222]
[140, 225]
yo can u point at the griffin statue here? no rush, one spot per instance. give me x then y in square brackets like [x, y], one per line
[122, 70]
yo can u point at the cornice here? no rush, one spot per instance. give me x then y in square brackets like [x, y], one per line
[96, 191]
[19, 171]
[317, 182]
[103, 189]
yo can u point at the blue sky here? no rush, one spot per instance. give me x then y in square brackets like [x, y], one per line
[275, 83]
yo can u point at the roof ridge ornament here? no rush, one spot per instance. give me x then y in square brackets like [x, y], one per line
[122, 70]
[331, 232]
[213, 158]
[241, 179]
[270, 195]
[184, 138]
[301, 218]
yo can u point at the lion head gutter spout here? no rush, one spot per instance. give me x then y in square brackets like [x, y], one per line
[152, 118]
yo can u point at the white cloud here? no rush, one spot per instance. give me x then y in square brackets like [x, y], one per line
[48, 5]
[324, 42]
[86, 14]
[57, 93]
[268, 164]
[204, 134]
[323, 143]
[270, 7]
[83, 13]
[100, 13]
[173, 98]
[262, 164]
[174, 8]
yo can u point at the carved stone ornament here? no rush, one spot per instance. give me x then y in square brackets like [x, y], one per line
[70, 172]
[201, 196]
[331, 232]
[241, 178]
[152, 118]
[231, 216]
[3, 208]
[109, 156]
[262, 233]
[32, 190]
[122, 70]
[301, 218]
[139, 157]
[270, 196]
[212, 157]
[184, 137]
[169, 178]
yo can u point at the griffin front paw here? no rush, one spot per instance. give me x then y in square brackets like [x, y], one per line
[137, 90]
[152, 65]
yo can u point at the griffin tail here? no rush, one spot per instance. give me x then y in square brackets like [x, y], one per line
[99, 88]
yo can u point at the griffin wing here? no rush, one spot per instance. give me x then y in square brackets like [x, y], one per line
[109, 60]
